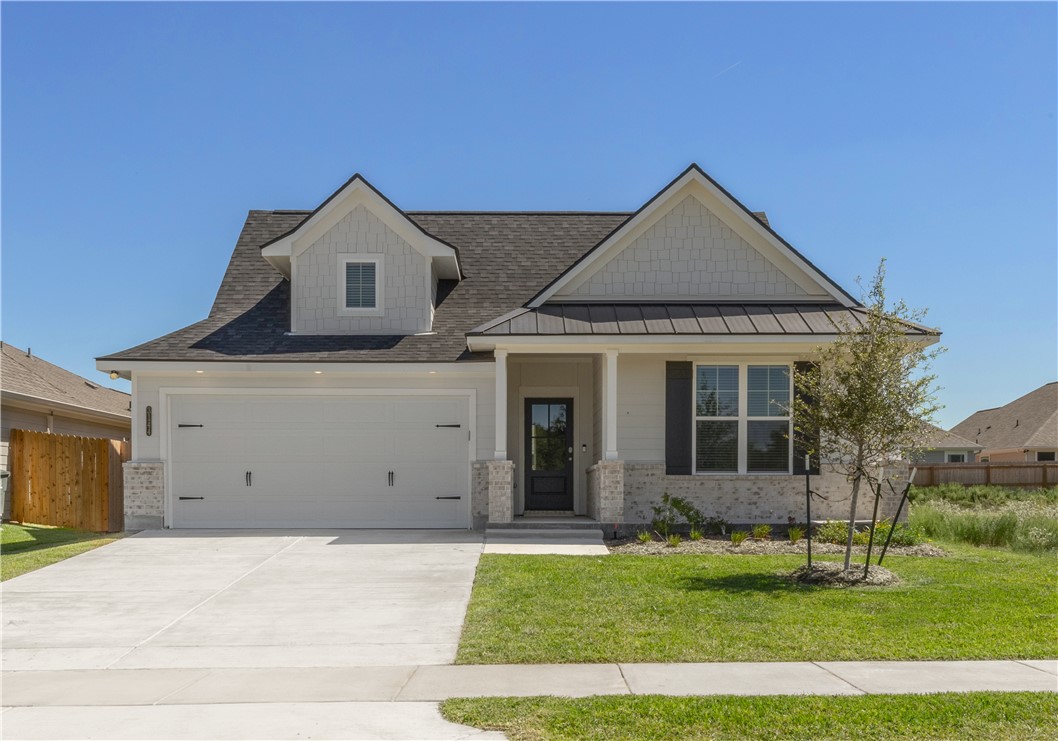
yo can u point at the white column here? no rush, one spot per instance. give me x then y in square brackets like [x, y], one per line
[610, 405]
[501, 405]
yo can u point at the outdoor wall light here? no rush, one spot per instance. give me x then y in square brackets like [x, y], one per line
[114, 375]
[199, 371]
[318, 373]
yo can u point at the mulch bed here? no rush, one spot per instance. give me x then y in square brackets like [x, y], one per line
[829, 574]
[718, 545]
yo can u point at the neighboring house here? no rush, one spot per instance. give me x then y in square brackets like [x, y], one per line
[1026, 429]
[363, 366]
[942, 446]
[36, 395]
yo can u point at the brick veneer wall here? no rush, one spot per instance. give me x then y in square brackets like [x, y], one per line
[479, 494]
[749, 499]
[606, 492]
[144, 494]
[500, 476]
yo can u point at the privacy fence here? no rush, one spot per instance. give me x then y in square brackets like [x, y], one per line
[1034, 475]
[67, 481]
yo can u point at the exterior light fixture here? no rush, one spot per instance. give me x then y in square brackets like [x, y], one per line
[199, 371]
[318, 373]
[114, 375]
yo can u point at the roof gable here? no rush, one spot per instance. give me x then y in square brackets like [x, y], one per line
[661, 227]
[355, 193]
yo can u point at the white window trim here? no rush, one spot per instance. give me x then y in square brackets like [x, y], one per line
[379, 261]
[742, 419]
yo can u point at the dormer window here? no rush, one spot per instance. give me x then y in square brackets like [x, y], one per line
[360, 285]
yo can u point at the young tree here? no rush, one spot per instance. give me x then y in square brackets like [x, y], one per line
[870, 394]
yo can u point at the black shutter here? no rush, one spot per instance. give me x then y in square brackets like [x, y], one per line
[799, 449]
[679, 398]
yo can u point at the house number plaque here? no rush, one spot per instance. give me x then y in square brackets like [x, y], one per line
[148, 425]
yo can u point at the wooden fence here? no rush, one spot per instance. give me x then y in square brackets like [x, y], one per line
[67, 481]
[1036, 475]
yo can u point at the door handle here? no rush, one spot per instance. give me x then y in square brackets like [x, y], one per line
[390, 478]
[249, 478]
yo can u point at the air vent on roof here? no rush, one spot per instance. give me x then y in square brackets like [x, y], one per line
[90, 385]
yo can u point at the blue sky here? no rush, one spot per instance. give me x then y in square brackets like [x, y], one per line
[135, 138]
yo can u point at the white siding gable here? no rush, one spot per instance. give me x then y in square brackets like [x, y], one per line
[688, 253]
[406, 292]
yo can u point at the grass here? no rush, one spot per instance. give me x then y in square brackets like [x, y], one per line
[994, 516]
[976, 715]
[25, 548]
[975, 604]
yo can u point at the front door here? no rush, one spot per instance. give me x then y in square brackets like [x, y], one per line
[549, 454]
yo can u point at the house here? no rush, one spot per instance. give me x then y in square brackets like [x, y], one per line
[365, 366]
[941, 446]
[1026, 429]
[36, 395]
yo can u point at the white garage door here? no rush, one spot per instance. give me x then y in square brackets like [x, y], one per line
[319, 461]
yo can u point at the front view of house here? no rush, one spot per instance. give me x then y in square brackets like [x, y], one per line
[364, 366]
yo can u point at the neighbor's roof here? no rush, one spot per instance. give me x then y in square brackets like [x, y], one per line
[29, 376]
[682, 319]
[939, 439]
[1030, 421]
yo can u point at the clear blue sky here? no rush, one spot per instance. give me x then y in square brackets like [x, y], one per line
[136, 137]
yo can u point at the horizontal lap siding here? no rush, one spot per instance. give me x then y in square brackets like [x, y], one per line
[641, 407]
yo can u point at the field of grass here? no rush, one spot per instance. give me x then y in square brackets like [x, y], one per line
[24, 548]
[977, 715]
[975, 604]
[1023, 520]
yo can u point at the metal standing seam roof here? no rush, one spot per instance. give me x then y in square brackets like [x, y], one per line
[682, 319]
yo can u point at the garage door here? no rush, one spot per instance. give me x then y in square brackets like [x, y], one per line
[319, 461]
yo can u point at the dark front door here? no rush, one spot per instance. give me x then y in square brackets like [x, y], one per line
[549, 454]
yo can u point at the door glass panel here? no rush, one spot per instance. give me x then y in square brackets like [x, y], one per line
[548, 437]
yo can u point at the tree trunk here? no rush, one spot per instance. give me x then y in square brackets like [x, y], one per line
[852, 521]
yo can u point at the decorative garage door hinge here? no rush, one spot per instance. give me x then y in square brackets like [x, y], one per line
[183, 425]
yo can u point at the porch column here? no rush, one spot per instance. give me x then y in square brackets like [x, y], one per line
[609, 405]
[500, 453]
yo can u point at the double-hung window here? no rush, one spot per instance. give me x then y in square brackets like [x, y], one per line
[359, 284]
[742, 418]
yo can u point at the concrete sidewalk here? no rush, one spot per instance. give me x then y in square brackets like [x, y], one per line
[433, 683]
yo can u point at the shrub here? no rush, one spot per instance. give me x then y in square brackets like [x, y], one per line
[673, 540]
[665, 516]
[716, 525]
[902, 534]
[644, 536]
[761, 532]
[795, 533]
[832, 531]
[738, 537]
[688, 511]
[696, 534]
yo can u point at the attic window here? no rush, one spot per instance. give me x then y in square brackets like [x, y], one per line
[360, 284]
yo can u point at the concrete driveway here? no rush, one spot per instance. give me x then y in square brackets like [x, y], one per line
[137, 617]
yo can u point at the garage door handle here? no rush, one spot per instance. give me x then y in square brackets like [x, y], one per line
[183, 498]
[249, 478]
[448, 497]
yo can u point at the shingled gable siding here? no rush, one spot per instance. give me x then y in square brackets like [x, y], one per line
[406, 288]
[689, 253]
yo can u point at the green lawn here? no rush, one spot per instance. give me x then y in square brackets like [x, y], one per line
[977, 604]
[977, 715]
[24, 548]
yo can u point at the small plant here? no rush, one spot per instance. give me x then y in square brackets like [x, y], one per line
[687, 511]
[644, 536]
[738, 537]
[832, 531]
[716, 525]
[673, 540]
[795, 533]
[761, 532]
[665, 516]
[696, 534]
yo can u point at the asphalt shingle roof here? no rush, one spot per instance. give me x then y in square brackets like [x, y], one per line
[1030, 421]
[505, 257]
[28, 375]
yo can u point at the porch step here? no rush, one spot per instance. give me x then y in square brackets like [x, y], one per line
[566, 535]
[551, 523]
